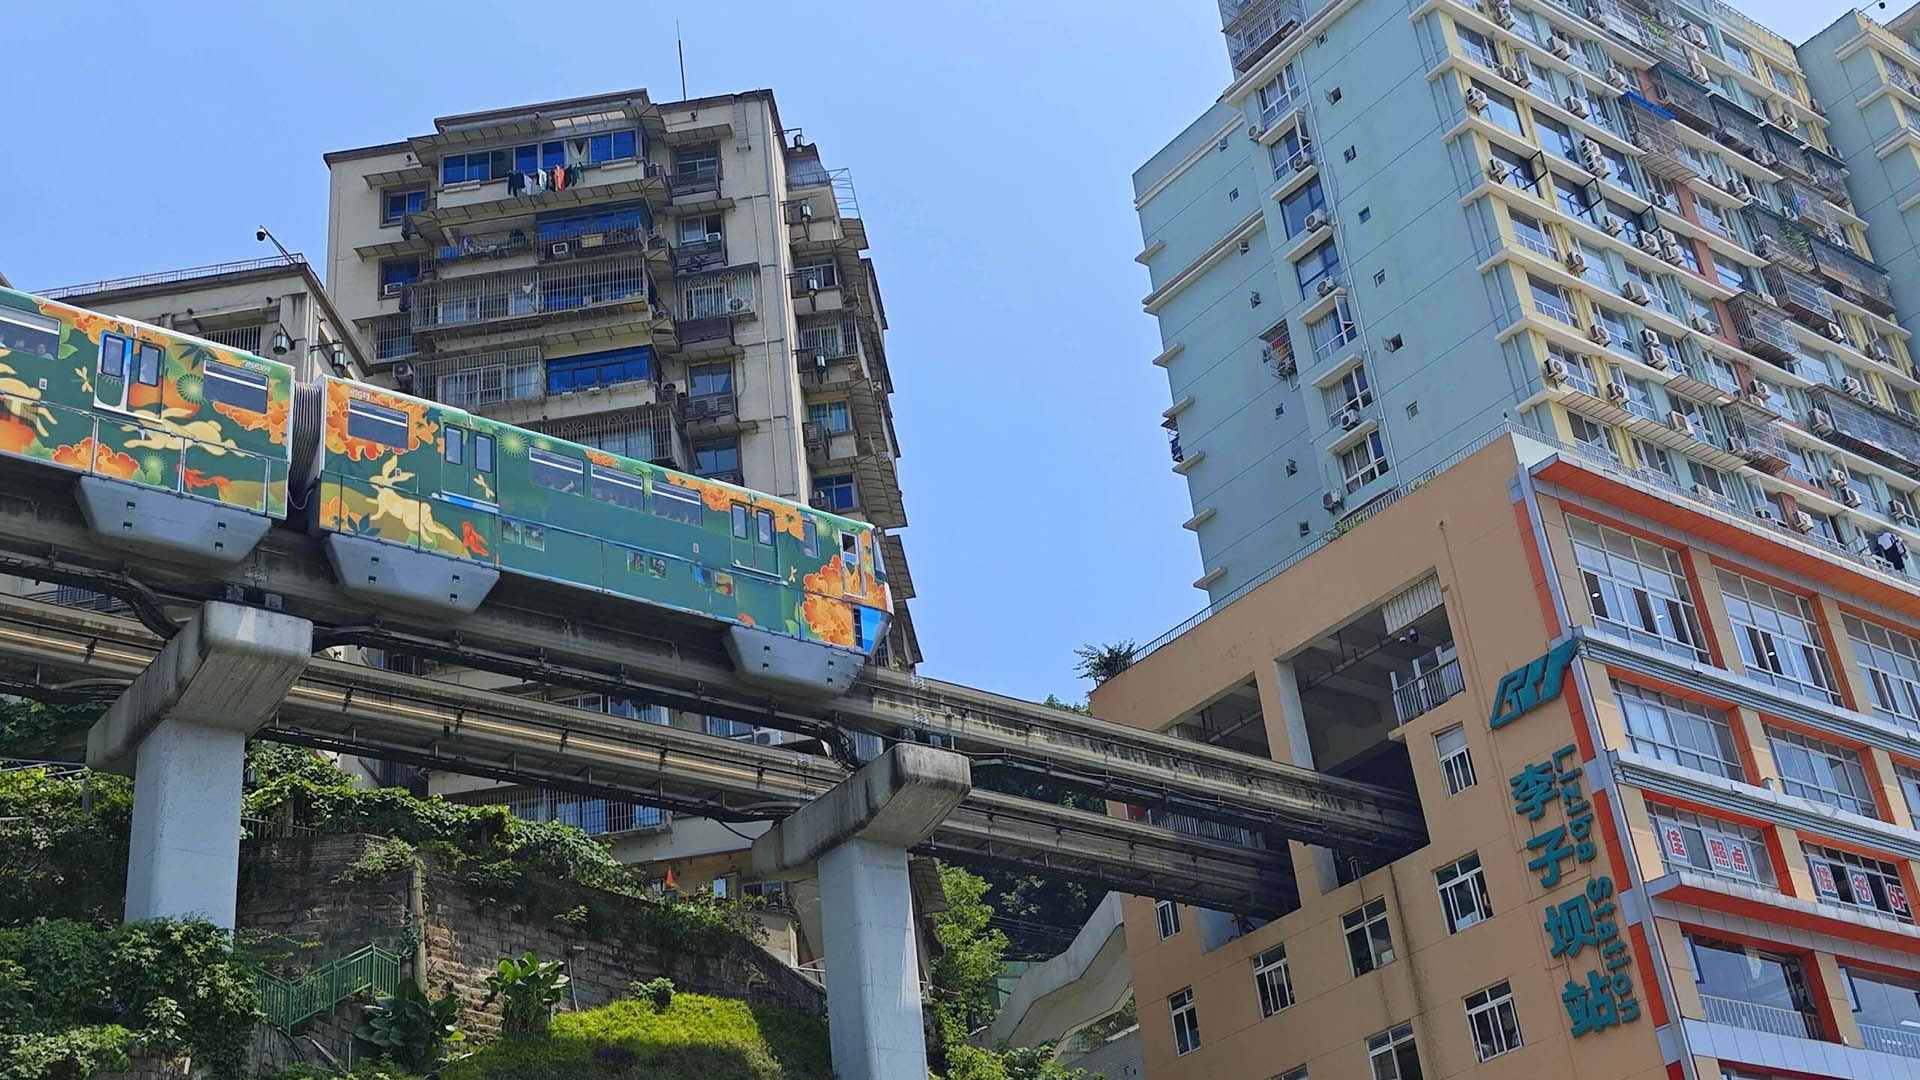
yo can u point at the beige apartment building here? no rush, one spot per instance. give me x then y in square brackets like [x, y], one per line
[1669, 760]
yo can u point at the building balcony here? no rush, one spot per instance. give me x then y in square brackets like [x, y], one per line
[1428, 690]
[730, 294]
[1778, 239]
[1763, 331]
[704, 338]
[651, 433]
[1687, 100]
[1772, 1019]
[1852, 277]
[478, 380]
[683, 185]
[478, 246]
[391, 337]
[1902, 1042]
[1810, 208]
[1802, 162]
[1754, 434]
[710, 414]
[510, 299]
[1799, 296]
[1870, 430]
[1740, 131]
[593, 239]
[1257, 30]
[1657, 134]
[479, 201]
[701, 255]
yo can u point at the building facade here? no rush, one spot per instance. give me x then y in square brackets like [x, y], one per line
[1624, 223]
[1670, 770]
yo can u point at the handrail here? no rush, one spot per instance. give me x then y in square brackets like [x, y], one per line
[288, 1001]
[170, 276]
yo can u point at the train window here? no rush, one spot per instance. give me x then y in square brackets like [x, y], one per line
[148, 372]
[850, 550]
[365, 420]
[619, 489]
[739, 521]
[26, 333]
[810, 538]
[247, 390]
[113, 356]
[677, 504]
[482, 453]
[454, 445]
[553, 471]
[763, 525]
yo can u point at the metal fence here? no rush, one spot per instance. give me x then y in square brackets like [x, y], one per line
[487, 378]
[1891, 1040]
[1771, 1019]
[592, 815]
[288, 1001]
[244, 338]
[189, 274]
[1428, 691]
[553, 289]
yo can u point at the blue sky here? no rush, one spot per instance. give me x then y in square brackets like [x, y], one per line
[991, 145]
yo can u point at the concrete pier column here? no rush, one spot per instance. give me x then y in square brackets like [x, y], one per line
[855, 840]
[181, 731]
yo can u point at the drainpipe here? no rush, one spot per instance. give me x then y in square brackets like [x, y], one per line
[417, 910]
[1636, 885]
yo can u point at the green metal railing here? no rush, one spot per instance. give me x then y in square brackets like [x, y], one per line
[286, 1002]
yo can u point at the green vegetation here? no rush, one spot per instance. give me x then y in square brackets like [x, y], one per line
[411, 1027]
[1102, 662]
[63, 847]
[75, 998]
[40, 732]
[528, 989]
[961, 1000]
[659, 991]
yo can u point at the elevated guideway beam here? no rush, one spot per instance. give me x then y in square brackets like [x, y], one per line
[551, 634]
[353, 708]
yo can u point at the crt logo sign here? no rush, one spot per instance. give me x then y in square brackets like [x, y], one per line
[1522, 690]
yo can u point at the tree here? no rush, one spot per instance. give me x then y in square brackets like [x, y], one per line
[1102, 662]
[972, 956]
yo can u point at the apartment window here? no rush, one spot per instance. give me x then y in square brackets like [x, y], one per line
[1551, 300]
[1279, 91]
[1531, 234]
[1651, 457]
[396, 205]
[1282, 151]
[1892, 663]
[1580, 370]
[831, 415]
[1636, 589]
[819, 275]
[698, 229]
[1815, 769]
[836, 493]
[1393, 1054]
[1863, 882]
[609, 368]
[1272, 980]
[1322, 262]
[1299, 1073]
[1690, 841]
[713, 457]
[1672, 729]
[1295, 208]
[1365, 462]
[1463, 893]
[1556, 137]
[1166, 914]
[1186, 1022]
[1478, 47]
[1520, 168]
[697, 161]
[1354, 391]
[1500, 108]
[1369, 940]
[1593, 433]
[1495, 1024]
[1753, 988]
[1332, 330]
[396, 273]
[1910, 786]
[1456, 763]
[1886, 1009]
[1778, 637]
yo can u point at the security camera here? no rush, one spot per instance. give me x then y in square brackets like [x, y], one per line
[260, 234]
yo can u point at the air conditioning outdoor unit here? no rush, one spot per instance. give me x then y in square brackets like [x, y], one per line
[1649, 337]
[1838, 477]
[1350, 419]
[1850, 497]
[1595, 161]
[1700, 324]
[1697, 35]
[1680, 422]
[392, 288]
[1759, 390]
[1879, 352]
[1741, 189]
[1497, 170]
[1577, 105]
[1327, 287]
[1802, 521]
[1599, 334]
[1332, 500]
[1822, 421]
[1300, 160]
[1649, 243]
[1765, 513]
[1617, 78]
[1836, 332]
[1637, 293]
[1898, 510]
[1657, 357]
[1765, 157]
[1577, 262]
[1254, 131]
[1555, 370]
[1611, 225]
[1501, 11]
[1476, 98]
[1851, 385]
[1698, 70]
[737, 304]
[1559, 47]
[1316, 221]
[1617, 393]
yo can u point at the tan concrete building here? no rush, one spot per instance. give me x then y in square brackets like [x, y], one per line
[1669, 757]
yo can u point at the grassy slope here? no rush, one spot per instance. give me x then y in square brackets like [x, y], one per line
[696, 1038]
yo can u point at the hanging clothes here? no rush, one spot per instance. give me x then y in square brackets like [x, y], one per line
[560, 178]
[516, 183]
[1893, 549]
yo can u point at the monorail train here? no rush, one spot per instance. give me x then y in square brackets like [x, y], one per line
[195, 450]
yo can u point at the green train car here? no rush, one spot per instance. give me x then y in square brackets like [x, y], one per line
[182, 445]
[424, 506]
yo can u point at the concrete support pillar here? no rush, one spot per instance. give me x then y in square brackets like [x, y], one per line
[181, 730]
[855, 840]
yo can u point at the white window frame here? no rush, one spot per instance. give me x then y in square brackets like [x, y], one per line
[1360, 473]
[1639, 579]
[1166, 914]
[1186, 1021]
[1456, 765]
[1699, 834]
[1273, 981]
[1361, 921]
[1891, 661]
[1493, 1021]
[1675, 730]
[1381, 1051]
[1779, 636]
[1825, 766]
[1463, 893]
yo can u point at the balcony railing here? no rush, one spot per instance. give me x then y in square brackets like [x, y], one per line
[392, 337]
[481, 379]
[693, 182]
[1428, 691]
[1655, 131]
[1254, 32]
[496, 245]
[1763, 331]
[700, 255]
[705, 408]
[1852, 276]
[244, 338]
[728, 294]
[713, 329]
[1754, 434]
[1778, 239]
[1872, 431]
[1206, 830]
[650, 433]
[545, 292]
[1687, 100]
[594, 816]
[1891, 1040]
[1798, 295]
[1791, 1023]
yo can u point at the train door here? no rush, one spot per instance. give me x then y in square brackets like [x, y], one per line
[110, 375]
[753, 547]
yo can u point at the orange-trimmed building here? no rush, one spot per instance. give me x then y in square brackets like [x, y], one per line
[1669, 757]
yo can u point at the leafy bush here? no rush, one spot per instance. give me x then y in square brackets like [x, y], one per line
[73, 996]
[61, 854]
[658, 990]
[696, 1036]
[411, 1027]
[40, 732]
[531, 988]
[73, 1054]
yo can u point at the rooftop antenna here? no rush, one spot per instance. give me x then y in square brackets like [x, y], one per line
[680, 47]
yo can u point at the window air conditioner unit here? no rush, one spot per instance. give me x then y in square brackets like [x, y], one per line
[1741, 189]
[1680, 422]
[1850, 497]
[737, 304]
[1851, 385]
[1599, 334]
[1577, 262]
[1700, 324]
[1316, 221]
[1559, 47]
[1327, 287]
[1611, 225]
[392, 288]
[1332, 500]
[1802, 521]
[1254, 131]
[1350, 419]
[1556, 370]
[1577, 105]
[1497, 170]
[1657, 357]
[1898, 510]
[1765, 513]
[713, 238]
[1637, 293]
[1822, 421]
[1301, 160]
[1476, 99]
